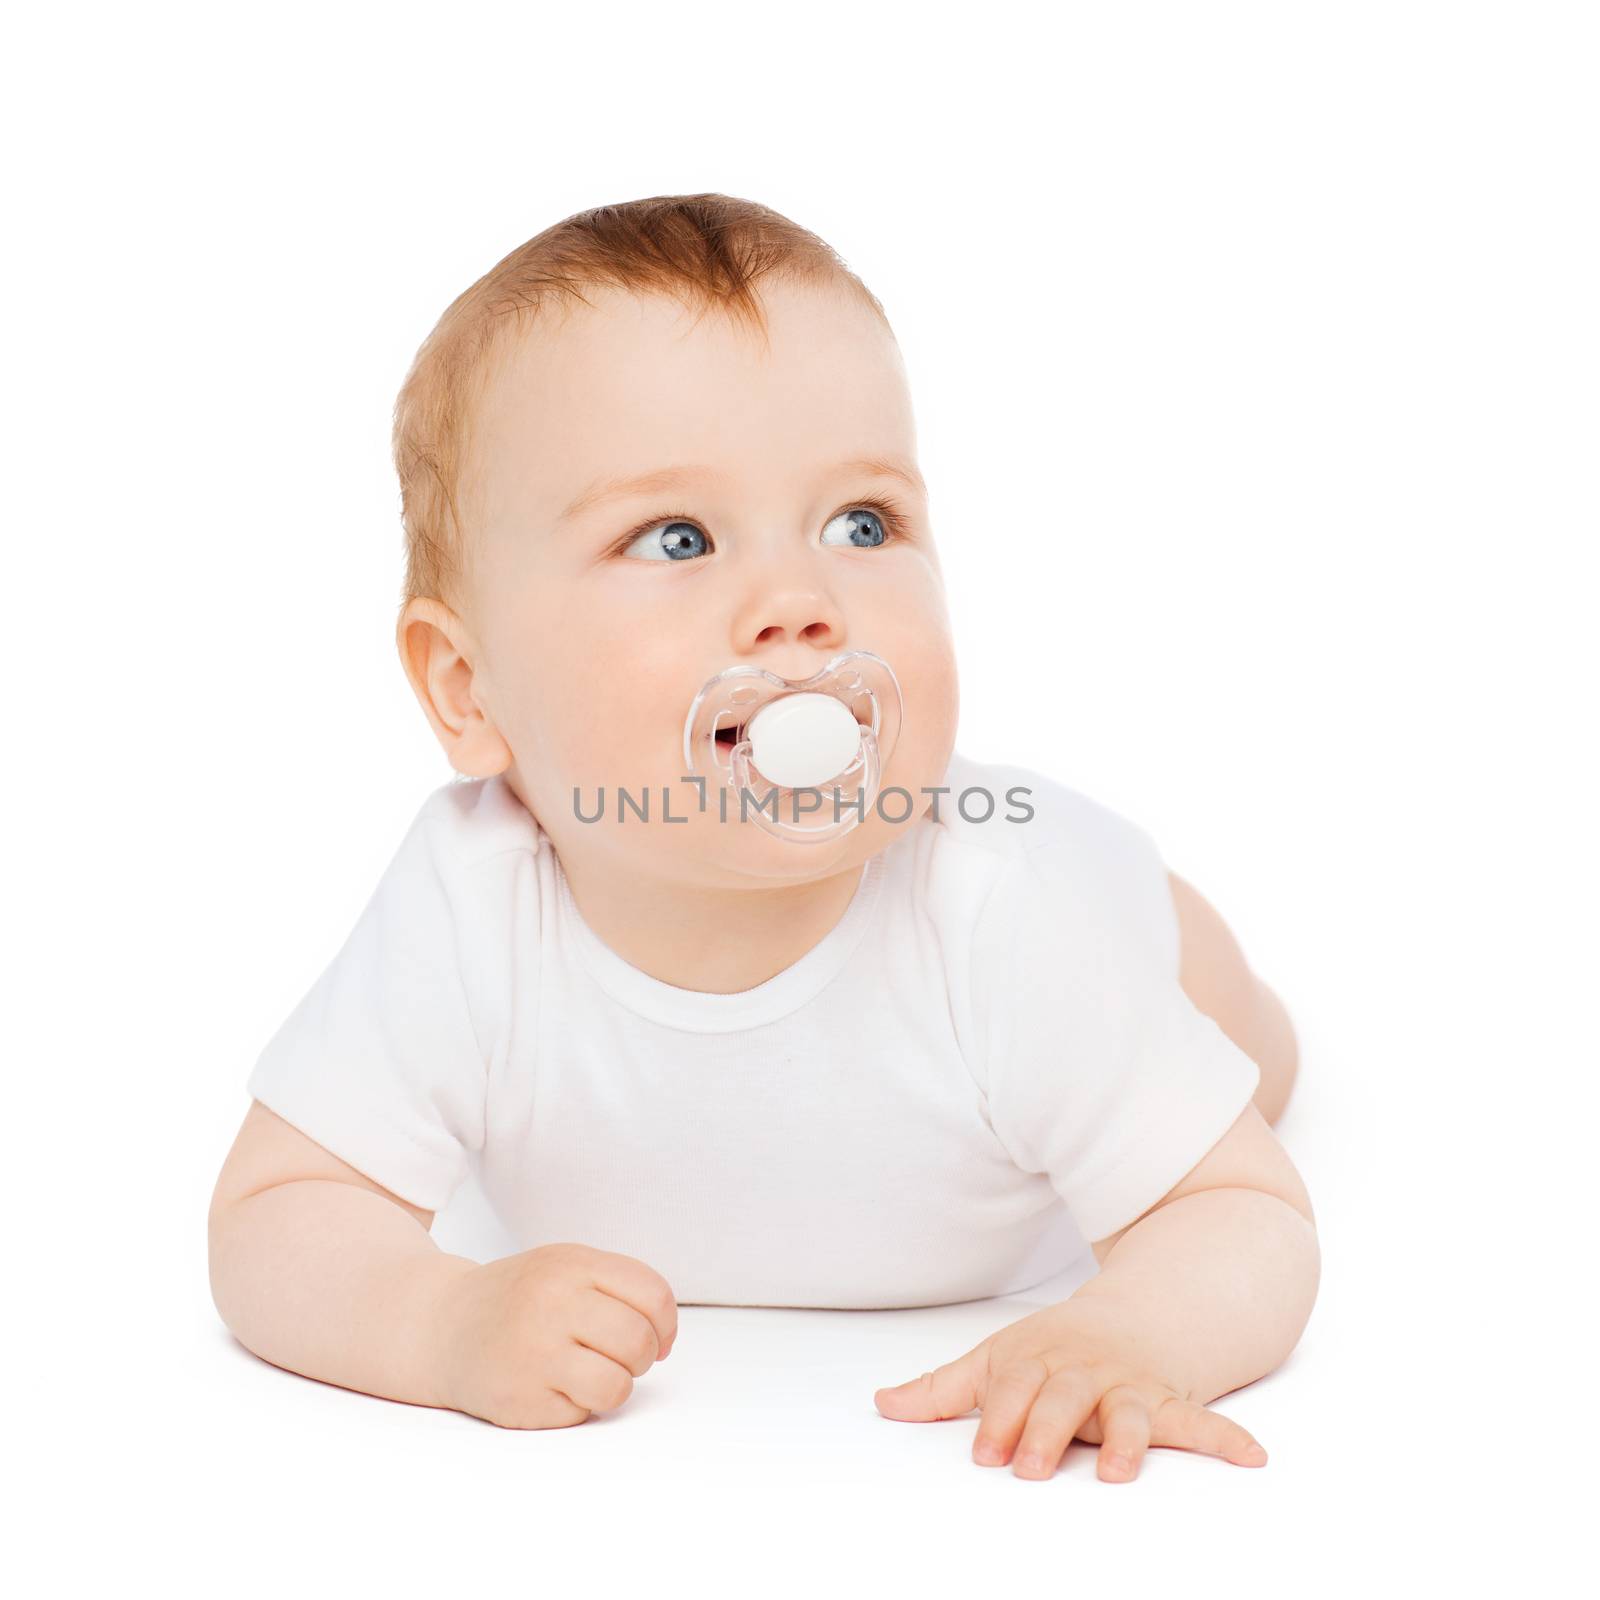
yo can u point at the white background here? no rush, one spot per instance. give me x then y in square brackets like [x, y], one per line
[1254, 351]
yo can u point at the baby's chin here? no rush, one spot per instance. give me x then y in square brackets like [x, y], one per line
[710, 852]
[751, 849]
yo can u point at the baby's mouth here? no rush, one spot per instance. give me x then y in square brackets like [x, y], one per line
[731, 735]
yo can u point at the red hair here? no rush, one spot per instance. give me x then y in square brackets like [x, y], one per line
[707, 251]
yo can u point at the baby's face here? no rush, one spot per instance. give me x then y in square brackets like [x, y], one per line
[595, 624]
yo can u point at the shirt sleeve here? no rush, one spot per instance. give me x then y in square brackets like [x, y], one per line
[1100, 1071]
[381, 1062]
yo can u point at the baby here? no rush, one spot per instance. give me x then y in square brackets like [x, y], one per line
[717, 970]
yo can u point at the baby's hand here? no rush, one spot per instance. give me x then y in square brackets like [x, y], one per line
[543, 1338]
[1066, 1373]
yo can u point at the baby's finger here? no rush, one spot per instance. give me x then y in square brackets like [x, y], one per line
[1125, 1431]
[1006, 1404]
[948, 1391]
[615, 1329]
[638, 1285]
[1191, 1427]
[1065, 1403]
[592, 1380]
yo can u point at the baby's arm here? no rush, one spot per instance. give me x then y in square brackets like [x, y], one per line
[1214, 1284]
[319, 1269]
[1218, 979]
[1205, 1292]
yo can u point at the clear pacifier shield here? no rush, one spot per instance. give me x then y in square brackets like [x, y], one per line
[830, 733]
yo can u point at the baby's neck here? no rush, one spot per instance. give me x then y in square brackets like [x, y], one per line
[710, 940]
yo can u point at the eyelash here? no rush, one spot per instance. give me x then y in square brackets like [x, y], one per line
[896, 523]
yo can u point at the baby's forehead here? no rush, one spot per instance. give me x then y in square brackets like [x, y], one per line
[621, 333]
[638, 385]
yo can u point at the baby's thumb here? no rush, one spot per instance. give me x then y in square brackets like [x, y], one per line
[948, 1391]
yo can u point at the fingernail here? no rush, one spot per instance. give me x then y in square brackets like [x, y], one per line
[1255, 1455]
[1118, 1463]
[988, 1455]
[1030, 1463]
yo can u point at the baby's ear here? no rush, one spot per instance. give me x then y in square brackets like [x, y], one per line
[437, 651]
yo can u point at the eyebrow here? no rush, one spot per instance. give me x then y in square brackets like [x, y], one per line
[663, 478]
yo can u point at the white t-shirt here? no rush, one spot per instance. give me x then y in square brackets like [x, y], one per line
[986, 1064]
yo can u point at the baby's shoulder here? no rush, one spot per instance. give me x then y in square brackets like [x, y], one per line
[1018, 815]
[1014, 846]
[474, 821]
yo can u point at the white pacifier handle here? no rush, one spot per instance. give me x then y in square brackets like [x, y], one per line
[803, 740]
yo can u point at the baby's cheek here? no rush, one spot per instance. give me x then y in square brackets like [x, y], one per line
[931, 690]
[617, 743]
[556, 747]
[927, 735]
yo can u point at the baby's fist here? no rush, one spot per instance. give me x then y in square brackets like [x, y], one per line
[543, 1338]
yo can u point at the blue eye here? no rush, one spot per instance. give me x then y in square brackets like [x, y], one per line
[863, 528]
[679, 541]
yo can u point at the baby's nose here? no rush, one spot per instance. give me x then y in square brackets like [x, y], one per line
[807, 617]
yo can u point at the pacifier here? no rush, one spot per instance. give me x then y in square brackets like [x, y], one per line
[754, 733]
